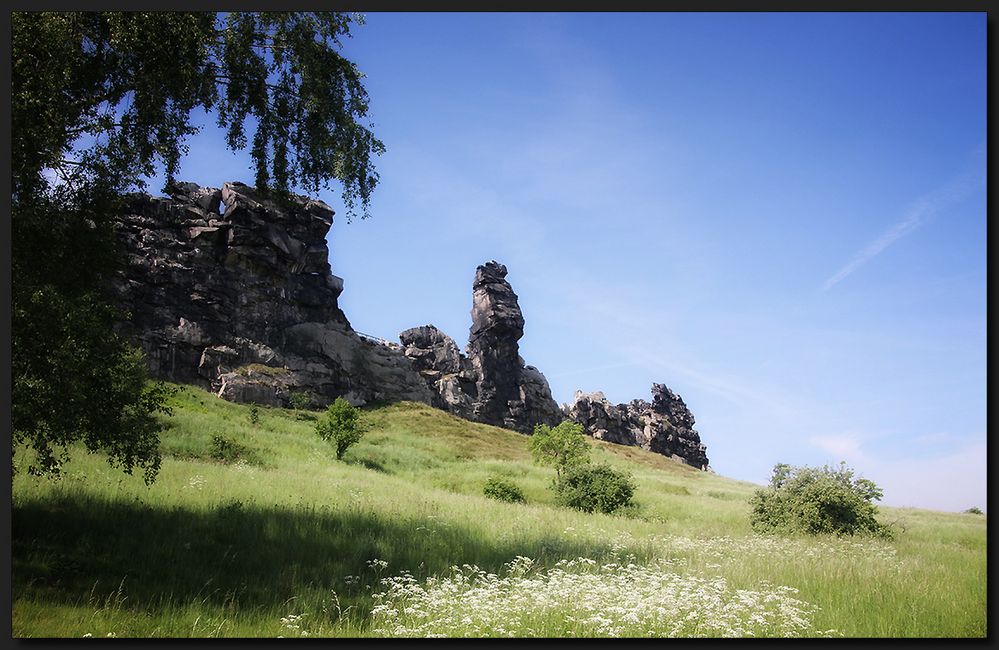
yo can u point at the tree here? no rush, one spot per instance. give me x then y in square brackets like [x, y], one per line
[561, 447]
[99, 100]
[341, 425]
[817, 500]
[120, 88]
[594, 488]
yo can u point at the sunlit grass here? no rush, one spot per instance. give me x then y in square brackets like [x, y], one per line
[213, 549]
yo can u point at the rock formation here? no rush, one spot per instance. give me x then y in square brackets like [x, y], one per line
[666, 426]
[447, 372]
[492, 384]
[244, 302]
[233, 291]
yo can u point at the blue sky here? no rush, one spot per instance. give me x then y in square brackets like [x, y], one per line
[780, 216]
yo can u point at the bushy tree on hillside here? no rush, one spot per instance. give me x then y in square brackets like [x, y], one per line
[503, 490]
[561, 447]
[594, 488]
[817, 500]
[98, 101]
[341, 425]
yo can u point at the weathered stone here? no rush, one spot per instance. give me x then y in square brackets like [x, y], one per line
[492, 384]
[272, 387]
[244, 303]
[211, 293]
[432, 350]
[665, 426]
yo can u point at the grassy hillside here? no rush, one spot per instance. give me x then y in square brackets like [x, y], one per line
[280, 539]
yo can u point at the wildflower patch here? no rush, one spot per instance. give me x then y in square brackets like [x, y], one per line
[585, 598]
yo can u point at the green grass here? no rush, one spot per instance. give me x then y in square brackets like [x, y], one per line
[231, 548]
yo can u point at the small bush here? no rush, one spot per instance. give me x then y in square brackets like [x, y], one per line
[974, 510]
[226, 450]
[594, 488]
[300, 401]
[497, 488]
[341, 425]
[254, 414]
[815, 501]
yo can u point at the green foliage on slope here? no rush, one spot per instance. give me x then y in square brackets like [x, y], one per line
[816, 500]
[299, 543]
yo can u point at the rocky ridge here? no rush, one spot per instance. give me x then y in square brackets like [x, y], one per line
[233, 291]
[492, 384]
[664, 426]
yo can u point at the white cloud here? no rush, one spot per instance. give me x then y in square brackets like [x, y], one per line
[842, 447]
[954, 479]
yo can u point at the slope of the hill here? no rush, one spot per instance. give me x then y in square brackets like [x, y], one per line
[254, 529]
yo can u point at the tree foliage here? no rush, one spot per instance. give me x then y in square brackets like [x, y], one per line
[74, 378]
[561, 447]
[503, 490]
[817, 500]
[110, 94]
[341, 425]
[100, 101]
[594, 488]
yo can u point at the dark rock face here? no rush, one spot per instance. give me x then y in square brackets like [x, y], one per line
[497, 326]
[665, 426]
[491, 384]
[448, 373]
[244, 302]
[229, 290]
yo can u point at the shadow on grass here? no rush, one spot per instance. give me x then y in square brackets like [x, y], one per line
[238, 554]
[370, 463]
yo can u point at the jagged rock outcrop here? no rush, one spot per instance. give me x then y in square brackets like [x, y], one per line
[449, 374]
[491, 384]
[244, 302]
[233, 291]
[666, 426]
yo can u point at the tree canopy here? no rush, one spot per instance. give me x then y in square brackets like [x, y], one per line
[816, 500]
[562, 447]
[100, 101]
[122, 85]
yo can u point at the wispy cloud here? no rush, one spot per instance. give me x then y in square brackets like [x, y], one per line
[920, 212]
[842, 447]
[766, 401]
[951, 479]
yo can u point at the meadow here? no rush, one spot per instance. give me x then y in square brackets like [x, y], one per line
[269, 535]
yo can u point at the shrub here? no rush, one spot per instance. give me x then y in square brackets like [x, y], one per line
[974, 510]
[300, 401]
[562, 447]
[503, 490]
[226, 450]
[817, 500]
[341, 425]
[594, 488]
[254, 414]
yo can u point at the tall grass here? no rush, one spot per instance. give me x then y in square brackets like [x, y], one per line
[296, 543]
